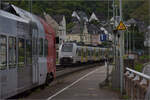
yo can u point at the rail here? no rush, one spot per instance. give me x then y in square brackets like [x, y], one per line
[136, 84]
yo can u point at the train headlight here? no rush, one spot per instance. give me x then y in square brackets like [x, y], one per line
[70, 56]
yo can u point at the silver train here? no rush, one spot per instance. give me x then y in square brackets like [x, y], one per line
[27, 51]
[72, 53]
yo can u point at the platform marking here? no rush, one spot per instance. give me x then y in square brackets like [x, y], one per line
[71, 84]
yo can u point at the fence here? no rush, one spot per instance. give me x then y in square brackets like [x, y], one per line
[136, 84]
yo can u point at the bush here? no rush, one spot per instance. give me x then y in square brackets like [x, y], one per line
[138, 67]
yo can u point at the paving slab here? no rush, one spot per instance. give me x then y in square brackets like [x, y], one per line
[87, 88]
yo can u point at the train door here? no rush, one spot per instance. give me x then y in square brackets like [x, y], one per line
[3, 66]
[34, 55]
[82, 54]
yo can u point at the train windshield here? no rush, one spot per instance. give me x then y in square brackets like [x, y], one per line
[67, 47]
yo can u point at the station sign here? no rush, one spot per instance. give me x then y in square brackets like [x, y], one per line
[103, 37]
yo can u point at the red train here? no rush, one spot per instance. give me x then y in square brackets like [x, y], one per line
[27, 51]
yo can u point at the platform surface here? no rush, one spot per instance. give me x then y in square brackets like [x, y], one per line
[87, 88]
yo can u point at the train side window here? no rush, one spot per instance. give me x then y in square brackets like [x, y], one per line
[3, 52]
[21, 52]
[89, 51]
[96, 53]
[12, 52]
[41, 47]
[79, 52]
[86, 52]
[99, 52]
[92, 52]
[28, 51]
[46, 48]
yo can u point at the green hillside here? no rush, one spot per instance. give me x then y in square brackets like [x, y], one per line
[65, 7]
[137, 9]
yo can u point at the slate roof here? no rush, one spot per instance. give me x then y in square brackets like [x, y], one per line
[93, 29]
[131, 21]
[100, 16]
[83, 15]
[76, 29]
[74, 20]
[80, 15]
[58, 18]
[93, 17]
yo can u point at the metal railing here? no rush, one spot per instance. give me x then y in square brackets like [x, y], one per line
[136, 84]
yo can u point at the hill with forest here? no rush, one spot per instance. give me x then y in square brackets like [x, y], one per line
[138, 9]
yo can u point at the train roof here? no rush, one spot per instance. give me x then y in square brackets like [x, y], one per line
[90, 45]
[30, 17]
[12, 16]
[24, 15]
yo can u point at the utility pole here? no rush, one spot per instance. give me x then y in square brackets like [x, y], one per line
[121, 52]
[0, 4]
[106, 57]
[114, 35]
[30, 5]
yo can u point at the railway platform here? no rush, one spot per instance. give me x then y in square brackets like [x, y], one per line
[87, 88]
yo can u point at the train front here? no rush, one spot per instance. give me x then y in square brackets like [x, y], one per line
[66, 54]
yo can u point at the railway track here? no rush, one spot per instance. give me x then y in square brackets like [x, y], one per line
[61, 71]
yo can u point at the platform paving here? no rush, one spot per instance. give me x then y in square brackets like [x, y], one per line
[87, 88]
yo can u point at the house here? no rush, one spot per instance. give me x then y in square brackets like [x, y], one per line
[74, 34]
[59, 25]
[83, 30]
[93, 17]
[58, 22]
[61, 20]
[147, 37]
[52, 22]
[80, 16]
[95, 33]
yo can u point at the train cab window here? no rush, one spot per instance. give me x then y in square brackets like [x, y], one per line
[46, 48]
[12, 52]
[41, 47]
[88, 52]
[67, 47]
[21, 52]
[3, 52]
[28, 52]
